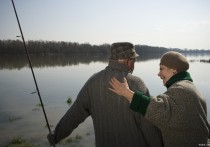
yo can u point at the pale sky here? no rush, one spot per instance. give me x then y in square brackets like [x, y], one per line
[165, 23]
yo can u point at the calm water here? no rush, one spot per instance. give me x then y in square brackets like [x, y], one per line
[20, 114]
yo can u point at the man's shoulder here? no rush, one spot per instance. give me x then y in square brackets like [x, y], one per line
[133, 78]
[96, 75]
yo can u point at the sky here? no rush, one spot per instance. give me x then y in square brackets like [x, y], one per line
[183, 24]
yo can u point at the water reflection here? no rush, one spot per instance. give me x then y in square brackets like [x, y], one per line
[18, 62]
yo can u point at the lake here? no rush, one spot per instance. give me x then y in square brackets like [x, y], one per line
[60, 78]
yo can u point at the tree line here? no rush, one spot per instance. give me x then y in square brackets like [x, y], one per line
[15, 47]
[40, 47]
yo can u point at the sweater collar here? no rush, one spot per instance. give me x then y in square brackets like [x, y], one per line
[116, 65]
[178, 77]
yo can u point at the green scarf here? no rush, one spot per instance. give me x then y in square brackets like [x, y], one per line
[178, 77]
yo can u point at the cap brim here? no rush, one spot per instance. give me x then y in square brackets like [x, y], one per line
[135, 55]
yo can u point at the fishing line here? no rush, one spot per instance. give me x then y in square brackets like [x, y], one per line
[30, 64]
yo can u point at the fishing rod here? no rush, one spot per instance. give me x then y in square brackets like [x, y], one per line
[30, 64]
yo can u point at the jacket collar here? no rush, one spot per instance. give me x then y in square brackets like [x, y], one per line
[116, 65]
[178, 77]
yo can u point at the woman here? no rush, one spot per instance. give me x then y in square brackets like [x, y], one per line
[181, 112]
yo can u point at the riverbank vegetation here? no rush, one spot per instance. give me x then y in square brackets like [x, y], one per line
[19, 142]
[40, 47]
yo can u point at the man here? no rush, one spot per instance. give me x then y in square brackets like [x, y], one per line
[114, 123]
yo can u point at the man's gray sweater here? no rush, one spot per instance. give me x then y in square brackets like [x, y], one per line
[115, 124]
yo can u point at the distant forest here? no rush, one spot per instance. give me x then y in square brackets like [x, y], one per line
[15, 47]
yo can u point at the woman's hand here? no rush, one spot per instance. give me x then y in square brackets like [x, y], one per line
[121, 89]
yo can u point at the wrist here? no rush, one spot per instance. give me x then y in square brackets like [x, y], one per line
[129, 95]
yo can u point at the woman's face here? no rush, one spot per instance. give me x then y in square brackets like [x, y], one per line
[165, 73]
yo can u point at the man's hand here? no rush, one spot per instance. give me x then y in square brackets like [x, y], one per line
[51, 138]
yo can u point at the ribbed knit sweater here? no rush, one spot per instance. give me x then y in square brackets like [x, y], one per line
[114, 123]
